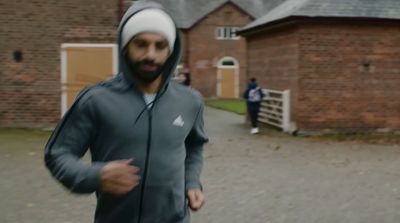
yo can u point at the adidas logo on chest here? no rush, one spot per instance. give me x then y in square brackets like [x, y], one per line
[178, 121]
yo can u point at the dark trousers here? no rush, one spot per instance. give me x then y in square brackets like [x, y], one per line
[253, 118]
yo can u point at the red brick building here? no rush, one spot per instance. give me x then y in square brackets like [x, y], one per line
[214, 55]
[339, 59]
[205, 53]
[31, 34]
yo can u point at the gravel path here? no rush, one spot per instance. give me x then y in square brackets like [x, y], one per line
[268, 178]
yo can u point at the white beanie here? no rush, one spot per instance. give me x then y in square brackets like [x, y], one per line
[150, 20]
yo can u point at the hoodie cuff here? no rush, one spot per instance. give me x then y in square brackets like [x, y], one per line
[193, 185]
[93, 178]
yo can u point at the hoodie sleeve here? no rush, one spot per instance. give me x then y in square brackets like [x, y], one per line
[194, 152]
[66, 146]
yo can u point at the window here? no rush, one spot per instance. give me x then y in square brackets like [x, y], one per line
[224, 33]
[228, 63]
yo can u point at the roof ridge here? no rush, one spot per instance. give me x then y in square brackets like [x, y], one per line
[187, 13]
[287, 7]
[385, 9]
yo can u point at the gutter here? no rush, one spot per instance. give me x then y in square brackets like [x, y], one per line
[301, 19]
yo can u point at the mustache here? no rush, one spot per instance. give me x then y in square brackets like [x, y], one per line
[148, 62]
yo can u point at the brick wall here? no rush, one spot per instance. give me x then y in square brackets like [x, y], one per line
[336, 91]
[344, 75]
[204, 51]
[273, 61]
[30, 89]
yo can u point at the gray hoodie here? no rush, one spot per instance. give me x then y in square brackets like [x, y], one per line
[111, 120]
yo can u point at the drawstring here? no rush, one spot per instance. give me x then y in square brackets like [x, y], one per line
[143, 110]
[158, 96]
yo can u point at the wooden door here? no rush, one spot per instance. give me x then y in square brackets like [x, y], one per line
[227, 82]
[85, 66]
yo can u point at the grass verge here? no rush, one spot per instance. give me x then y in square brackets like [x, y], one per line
[232, 105]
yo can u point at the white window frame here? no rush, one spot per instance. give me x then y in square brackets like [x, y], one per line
[226, 33]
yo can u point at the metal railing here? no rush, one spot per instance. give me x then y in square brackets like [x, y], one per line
[275, 109]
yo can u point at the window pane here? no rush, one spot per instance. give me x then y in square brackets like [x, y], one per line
[233, 33]
[229, 32]
[219, 32]
[228, 63]
[226, 35]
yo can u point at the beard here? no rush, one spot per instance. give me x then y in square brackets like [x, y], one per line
[146, 71]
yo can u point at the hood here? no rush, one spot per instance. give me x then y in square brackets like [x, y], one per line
[172, 61]
[252, 85]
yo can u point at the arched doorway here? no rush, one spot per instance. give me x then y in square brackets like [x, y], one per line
[228, 78]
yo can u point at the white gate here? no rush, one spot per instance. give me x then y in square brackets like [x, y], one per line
[275, 110]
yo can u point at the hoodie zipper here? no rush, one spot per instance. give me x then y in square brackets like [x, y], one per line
[146, 165]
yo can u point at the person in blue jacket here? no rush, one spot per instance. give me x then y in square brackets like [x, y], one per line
[253, 96]
[143, 130]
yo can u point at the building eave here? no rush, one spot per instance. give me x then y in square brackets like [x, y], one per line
[297, 19]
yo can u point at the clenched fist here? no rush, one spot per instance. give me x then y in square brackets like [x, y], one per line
[119, 177]
[196, 199]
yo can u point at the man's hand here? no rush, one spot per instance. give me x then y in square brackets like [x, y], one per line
[119, 177]
[196, 199]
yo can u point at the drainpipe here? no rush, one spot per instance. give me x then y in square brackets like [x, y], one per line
[122, 6]
[120, 9]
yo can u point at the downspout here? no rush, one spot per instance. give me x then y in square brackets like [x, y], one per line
[121, 9]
